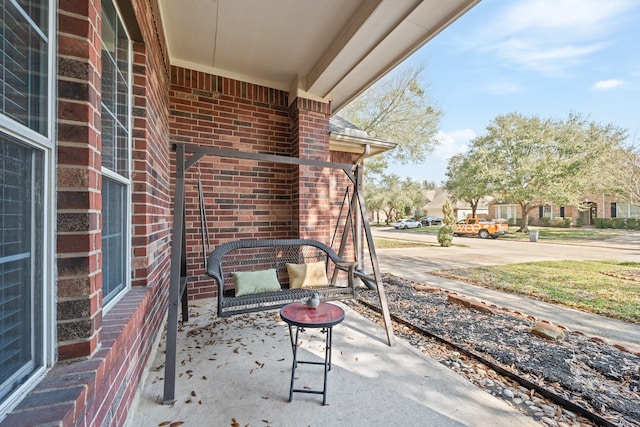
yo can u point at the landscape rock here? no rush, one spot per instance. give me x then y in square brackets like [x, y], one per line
[547, 330]
[470, 303]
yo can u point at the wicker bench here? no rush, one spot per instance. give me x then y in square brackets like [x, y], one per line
[254, 255]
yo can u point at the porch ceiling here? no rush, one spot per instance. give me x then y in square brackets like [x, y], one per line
[328, 49]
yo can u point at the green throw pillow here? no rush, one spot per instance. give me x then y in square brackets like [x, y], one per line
[254, 282]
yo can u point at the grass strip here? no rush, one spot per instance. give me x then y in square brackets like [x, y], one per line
[607, 288]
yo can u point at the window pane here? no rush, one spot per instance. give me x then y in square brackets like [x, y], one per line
[37, 11]
[23, 67]
[21, 221]
[122, 151]
[108, 81]
[113, 238]
[108, 142]
[115, 92]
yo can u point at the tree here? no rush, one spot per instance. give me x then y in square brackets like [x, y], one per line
[532, 161]
[429, 185]
[465, 181]
[397, 109]
[394, 196]
[623, 173]
[374, 200]
[445, 233]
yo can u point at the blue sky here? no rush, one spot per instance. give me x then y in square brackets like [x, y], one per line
[536, 57]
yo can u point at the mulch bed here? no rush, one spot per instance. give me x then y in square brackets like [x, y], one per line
[588, 372]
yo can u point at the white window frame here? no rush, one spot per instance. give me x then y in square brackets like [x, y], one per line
[509, 210]
[46, 144]
[119, 178]
[628, 210]
[547, 211]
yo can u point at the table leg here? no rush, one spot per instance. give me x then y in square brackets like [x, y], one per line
[327, 362]
[294, 348]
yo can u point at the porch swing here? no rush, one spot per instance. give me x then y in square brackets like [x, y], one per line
[253, 256]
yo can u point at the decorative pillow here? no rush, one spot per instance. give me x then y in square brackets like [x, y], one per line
[254, 282]
[307, 275]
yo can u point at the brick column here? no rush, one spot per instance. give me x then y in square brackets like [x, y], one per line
[311, 202]
[79, 240]
[151, 204]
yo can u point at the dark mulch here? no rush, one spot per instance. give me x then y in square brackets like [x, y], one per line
[590, 373]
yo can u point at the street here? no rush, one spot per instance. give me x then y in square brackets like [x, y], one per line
[474, 252]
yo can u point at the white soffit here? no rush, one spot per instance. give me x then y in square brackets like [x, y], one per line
[330, 49]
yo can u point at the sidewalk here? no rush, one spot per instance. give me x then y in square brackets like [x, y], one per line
[237, 370]
[611, 330]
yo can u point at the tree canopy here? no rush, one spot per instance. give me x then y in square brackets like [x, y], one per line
[533, 161]
[394, 196]
[397, 109]
[465, 182]
[622, 173]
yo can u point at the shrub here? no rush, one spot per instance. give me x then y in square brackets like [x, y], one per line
[545, 221]
[580, 221]
[445, 233]
[632, 224]
[618, 222]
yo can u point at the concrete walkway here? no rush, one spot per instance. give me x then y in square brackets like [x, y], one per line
[416, 264]
[236, 371]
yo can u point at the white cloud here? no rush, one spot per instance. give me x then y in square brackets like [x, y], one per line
[502, 87]
[452, 143]
[607, 84]
[551, 36]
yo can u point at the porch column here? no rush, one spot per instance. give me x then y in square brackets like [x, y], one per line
[311, 210]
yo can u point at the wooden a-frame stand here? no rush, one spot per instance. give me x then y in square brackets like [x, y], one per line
[178, 277]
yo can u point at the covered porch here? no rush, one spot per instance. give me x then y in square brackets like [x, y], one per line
[235, 371]
[124, 81]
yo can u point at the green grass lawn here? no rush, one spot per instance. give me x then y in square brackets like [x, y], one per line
[565, 234]
[608, 288]
[381, 243]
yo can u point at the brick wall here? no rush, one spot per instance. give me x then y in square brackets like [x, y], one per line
[246, 199]
[105, 354]
[78, 180]
[339, 211]
[310, 140]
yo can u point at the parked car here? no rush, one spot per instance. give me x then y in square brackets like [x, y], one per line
[430, 220]
[407, 223]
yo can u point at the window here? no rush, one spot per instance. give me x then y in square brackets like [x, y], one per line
[546, 211]
[24, 63]
[21, 221]
[505, 211]
[627, 210]
[116, 157]
[26, 215]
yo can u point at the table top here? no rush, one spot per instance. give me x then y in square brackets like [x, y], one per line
[324, 316]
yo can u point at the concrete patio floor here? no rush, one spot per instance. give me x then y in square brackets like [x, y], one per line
[236, 371]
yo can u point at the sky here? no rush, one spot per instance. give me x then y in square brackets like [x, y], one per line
[547, 58]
